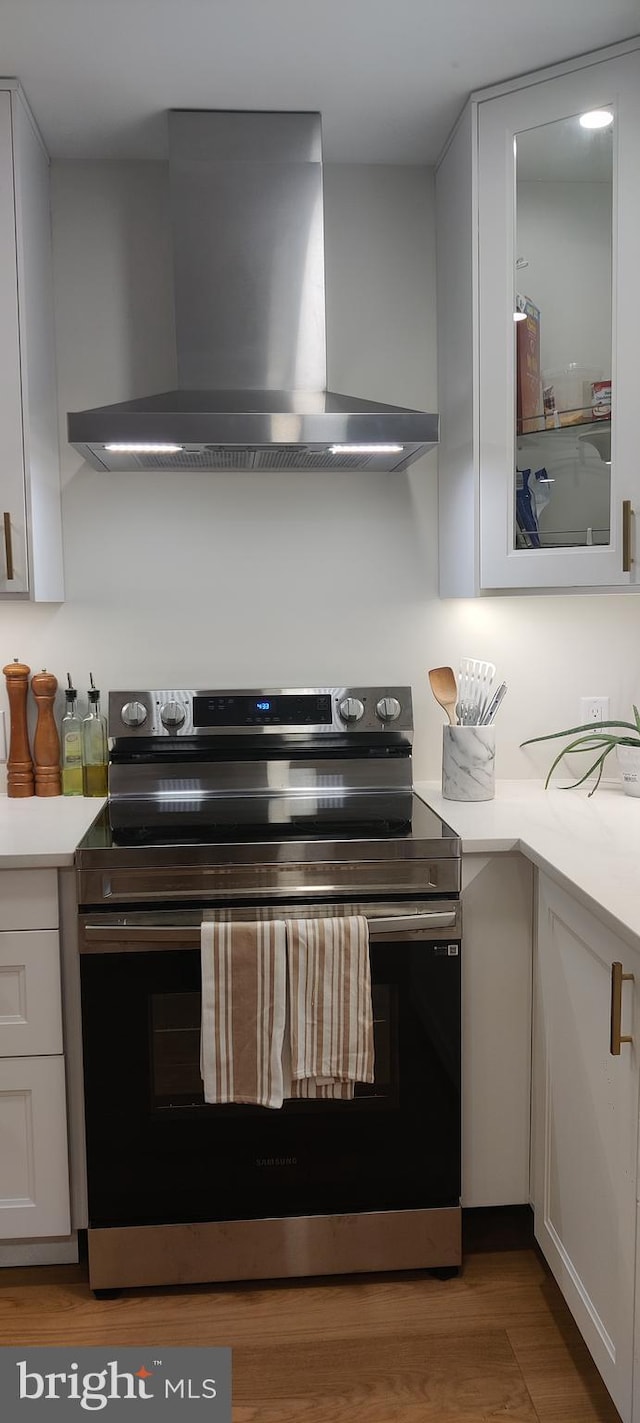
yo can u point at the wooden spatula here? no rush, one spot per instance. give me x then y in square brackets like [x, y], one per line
[445, 690]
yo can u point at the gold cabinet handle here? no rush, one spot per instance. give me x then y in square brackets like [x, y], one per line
[617, 1036]
[627, 558]
[8, 548]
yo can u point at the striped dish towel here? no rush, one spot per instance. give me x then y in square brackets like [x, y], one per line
[330, 1013]
[244, 997]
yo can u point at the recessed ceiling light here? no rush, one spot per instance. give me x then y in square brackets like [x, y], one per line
[597, 118]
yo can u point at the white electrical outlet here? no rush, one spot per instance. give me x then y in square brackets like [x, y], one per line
[594, 709]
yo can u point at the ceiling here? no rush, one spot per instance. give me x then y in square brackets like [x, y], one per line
[389, 76]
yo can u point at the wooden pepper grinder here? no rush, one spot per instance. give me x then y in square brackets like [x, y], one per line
[46, 742]
[19, 764]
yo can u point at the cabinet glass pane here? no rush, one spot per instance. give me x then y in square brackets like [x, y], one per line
[562, 333]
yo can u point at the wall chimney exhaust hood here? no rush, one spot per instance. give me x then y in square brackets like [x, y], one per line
[248, 254]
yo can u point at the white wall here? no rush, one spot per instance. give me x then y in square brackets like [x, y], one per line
[236, 579]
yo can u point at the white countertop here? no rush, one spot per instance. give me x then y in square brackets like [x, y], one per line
[590, 845]
[44, 830]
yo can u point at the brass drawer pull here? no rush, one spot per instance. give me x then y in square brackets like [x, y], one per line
[627, 558]
[617, 1036]
[8, 548]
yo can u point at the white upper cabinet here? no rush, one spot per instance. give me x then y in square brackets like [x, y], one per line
[30, 519]
[538, 320]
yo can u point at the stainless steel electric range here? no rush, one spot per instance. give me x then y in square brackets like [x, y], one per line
[243, 805]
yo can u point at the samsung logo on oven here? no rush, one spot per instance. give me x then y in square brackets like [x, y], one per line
[276, 1161]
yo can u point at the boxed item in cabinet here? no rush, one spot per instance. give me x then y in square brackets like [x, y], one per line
[528, 382]
[569, 394]
[601, 399]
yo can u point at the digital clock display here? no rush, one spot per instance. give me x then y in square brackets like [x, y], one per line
[285, 710]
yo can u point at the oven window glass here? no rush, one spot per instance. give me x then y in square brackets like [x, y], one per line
[175, 1056]
[156, 1153]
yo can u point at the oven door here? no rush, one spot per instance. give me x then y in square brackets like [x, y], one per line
[157, 1154]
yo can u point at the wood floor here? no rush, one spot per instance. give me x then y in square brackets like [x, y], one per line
[498, 1342]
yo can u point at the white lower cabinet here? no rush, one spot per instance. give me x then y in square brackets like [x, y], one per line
[30, 997]
[34, 1171]
[585, 1128]
[497, 908]
[34, 1161]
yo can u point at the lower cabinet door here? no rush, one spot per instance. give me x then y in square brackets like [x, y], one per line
[34, 1169]
[30, 1003]
[497, 906]
[585, 1128]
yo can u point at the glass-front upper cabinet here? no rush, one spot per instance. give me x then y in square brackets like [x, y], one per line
[558, 329]
[563, 236]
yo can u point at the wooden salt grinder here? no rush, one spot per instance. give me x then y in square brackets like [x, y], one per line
[46, 742]
[19, 764]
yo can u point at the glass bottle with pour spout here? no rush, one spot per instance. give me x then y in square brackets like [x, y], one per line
[94, 746]
[71, 739]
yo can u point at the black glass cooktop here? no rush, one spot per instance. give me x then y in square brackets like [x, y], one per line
[414, 821]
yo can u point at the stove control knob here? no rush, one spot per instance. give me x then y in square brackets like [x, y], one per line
[134, 714]
[388, 709]
[172, 715]
[351, 709]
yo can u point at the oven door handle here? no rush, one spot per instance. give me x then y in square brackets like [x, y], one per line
[168, 934]
[412, 923]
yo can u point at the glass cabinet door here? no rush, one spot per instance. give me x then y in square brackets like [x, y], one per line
[559, 322]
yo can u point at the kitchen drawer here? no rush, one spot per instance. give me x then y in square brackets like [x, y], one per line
[34, 1170]
[28, 899]
[30, 1000]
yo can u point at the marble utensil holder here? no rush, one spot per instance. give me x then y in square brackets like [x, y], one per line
[628, 758]
[468, 762]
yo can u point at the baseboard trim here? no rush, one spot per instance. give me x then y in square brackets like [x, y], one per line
[17, 1253]
[497, 1228]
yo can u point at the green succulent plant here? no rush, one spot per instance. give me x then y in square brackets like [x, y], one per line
[601, 741]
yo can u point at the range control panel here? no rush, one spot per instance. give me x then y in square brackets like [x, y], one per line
[263, 709]
[316, 710]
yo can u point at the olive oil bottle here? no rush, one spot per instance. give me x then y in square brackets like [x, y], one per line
[71, 744]
[94, 746]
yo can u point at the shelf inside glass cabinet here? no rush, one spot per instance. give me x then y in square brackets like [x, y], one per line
[563, 486]
[564, 420]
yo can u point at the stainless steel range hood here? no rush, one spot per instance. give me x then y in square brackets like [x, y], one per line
[248, 248]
